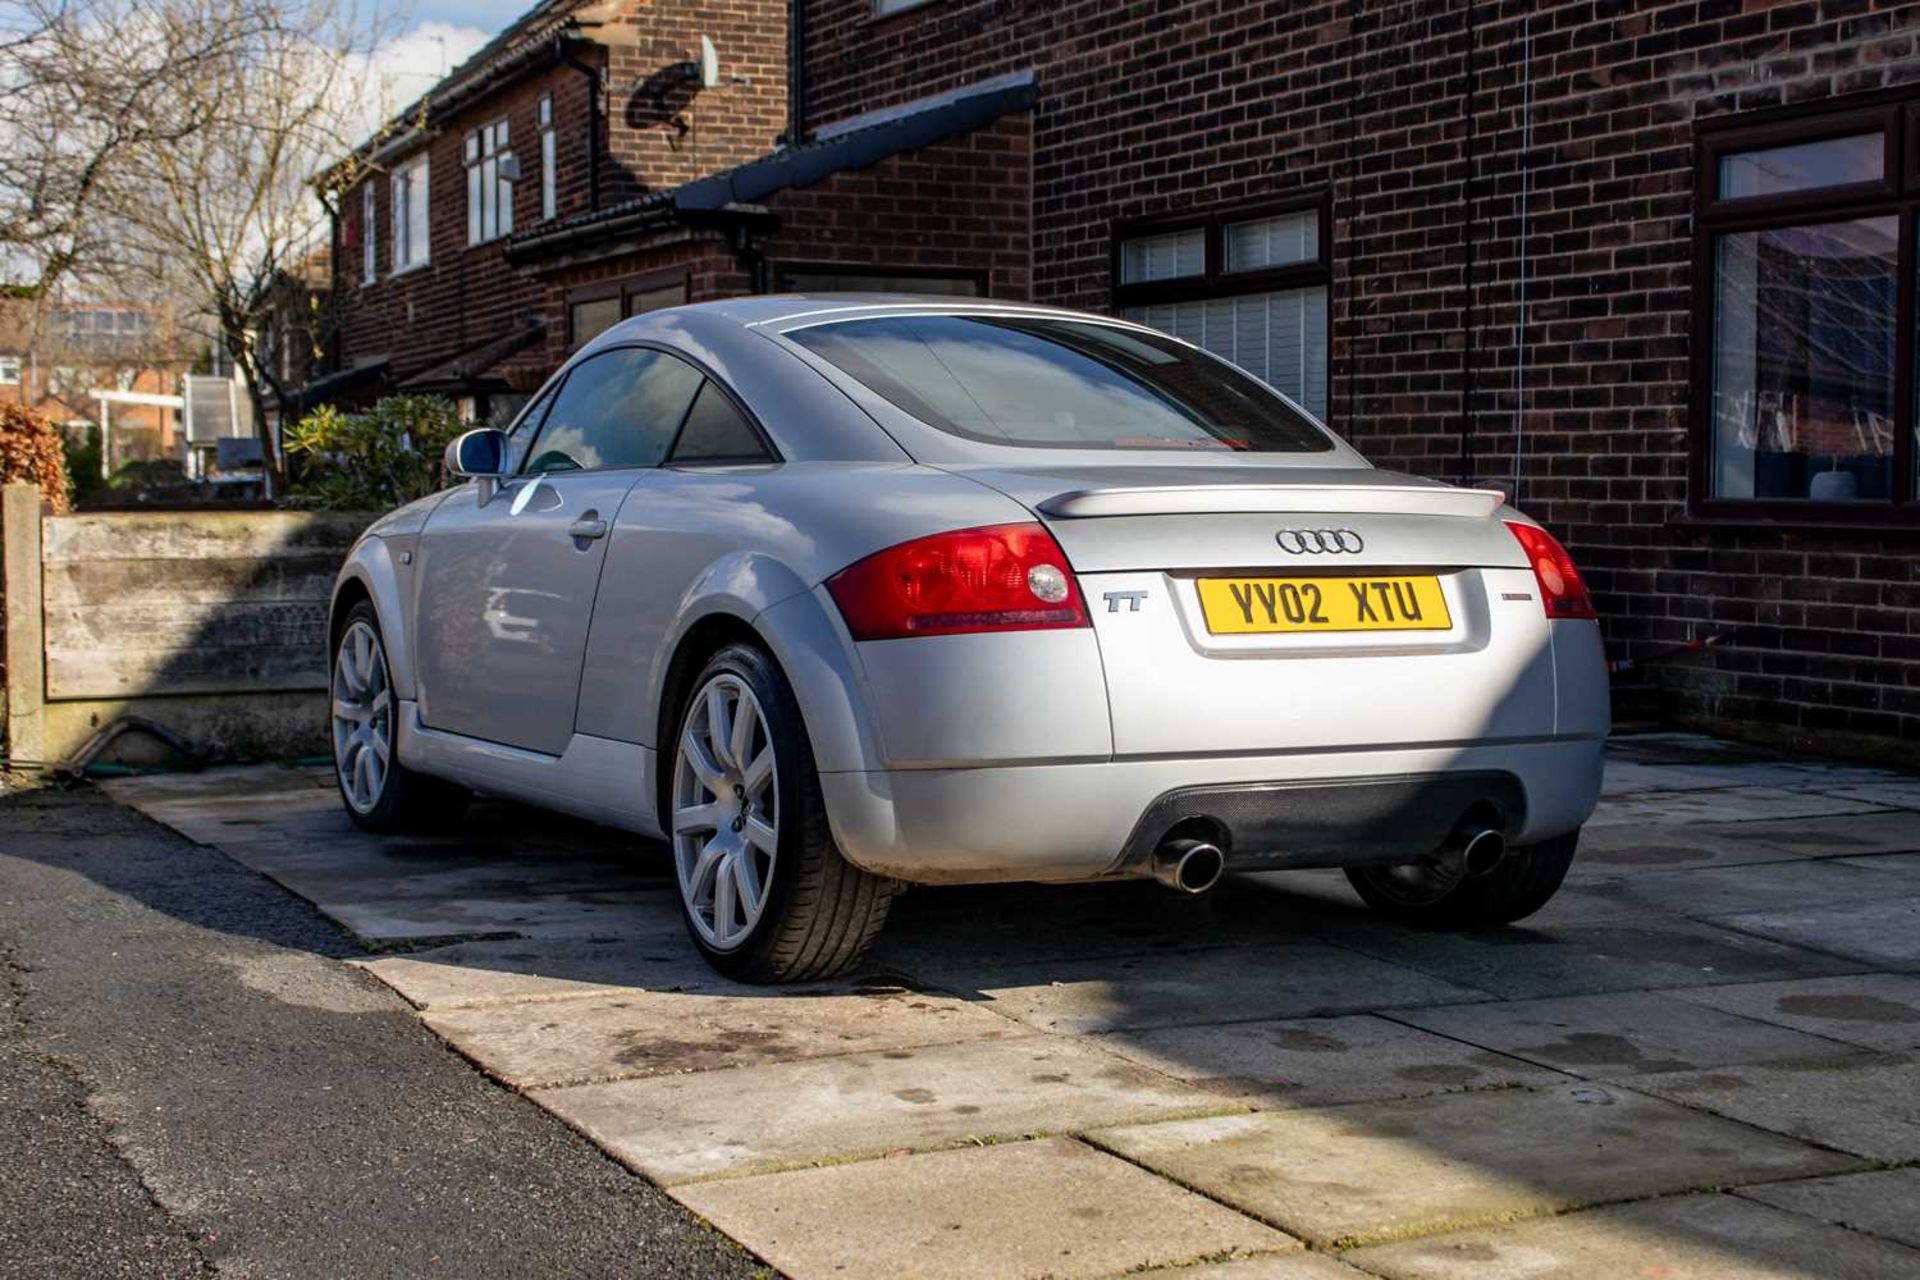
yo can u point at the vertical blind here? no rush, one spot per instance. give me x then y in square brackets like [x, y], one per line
[1280, 338]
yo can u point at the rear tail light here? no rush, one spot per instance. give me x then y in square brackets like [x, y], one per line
[1561, 590]
[1004, 577]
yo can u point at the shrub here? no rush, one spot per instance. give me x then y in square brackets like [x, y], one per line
[31, 450]
[371, 461]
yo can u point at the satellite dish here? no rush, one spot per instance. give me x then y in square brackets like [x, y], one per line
[510, 167]
[709, 64]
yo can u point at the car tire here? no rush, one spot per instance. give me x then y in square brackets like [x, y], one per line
[380, 793]
[815, 914]
[1416, 894]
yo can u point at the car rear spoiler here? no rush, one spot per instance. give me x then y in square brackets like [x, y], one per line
[1396, 499]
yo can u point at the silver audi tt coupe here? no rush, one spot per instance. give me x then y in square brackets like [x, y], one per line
[839, 594]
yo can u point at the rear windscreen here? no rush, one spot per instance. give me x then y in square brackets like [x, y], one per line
[1061, 384]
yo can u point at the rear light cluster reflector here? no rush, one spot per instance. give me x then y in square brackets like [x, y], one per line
[1003, 577]
[1561, 589]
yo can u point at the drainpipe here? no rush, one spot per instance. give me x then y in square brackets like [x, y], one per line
[796, 72]
[593, 118]
[751, 256]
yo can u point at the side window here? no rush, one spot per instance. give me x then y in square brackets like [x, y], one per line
[617, 409]
[716, 430]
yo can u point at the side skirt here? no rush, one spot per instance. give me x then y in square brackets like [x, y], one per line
[595, 778]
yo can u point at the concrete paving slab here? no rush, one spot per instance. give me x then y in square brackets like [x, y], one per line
[651, 1033]
[1319, 903]
[1302, 979]
[1627, 777]
[473, 974]
[1885, 1203]
[1873, 1010]
[1298, 1265]
[1862, 833]
[1633, 849]
[1868, 1104]
[1718, 891]
[1904, 865]
[1686, 1238]
[223, 780]
[1520, 962]
[1904, 794]
[1885, 934]
[758, 1119]
[1604, 1036]
[1321, 1061]
[1389, 1170]
[1675, 747]
[1054, 1208]
[951, 934]
[1729, 804]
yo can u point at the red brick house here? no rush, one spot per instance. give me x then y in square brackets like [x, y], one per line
[1649, 266]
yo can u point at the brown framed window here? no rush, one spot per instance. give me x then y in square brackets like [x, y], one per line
[593, 309]
[1248, 283]
[1804, 285]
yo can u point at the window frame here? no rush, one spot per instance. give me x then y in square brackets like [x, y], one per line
[544, 402]
[416, 171]
[1896, 194]
[19, 368]
[369, 232]
[1215, 281]
[624, 288]
[474, 160]
[549, 159]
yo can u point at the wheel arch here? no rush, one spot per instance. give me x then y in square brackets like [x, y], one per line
[370, 574]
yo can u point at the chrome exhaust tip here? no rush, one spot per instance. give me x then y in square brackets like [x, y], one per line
[1481, 849]
[1189, 866]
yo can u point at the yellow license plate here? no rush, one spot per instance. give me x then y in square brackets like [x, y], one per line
[1242, 606]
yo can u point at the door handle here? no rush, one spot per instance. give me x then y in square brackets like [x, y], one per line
[587, 529]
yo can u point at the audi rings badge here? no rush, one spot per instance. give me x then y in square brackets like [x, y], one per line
[1320, 542]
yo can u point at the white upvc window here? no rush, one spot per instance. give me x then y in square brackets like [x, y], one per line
[489, 193]
[9, 371]
[412, 231]
[369, 235]
[549, 159]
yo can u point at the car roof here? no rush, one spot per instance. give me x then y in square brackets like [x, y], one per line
[754, 310]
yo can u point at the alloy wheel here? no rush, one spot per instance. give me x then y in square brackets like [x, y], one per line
[362, 717]
[726, 821]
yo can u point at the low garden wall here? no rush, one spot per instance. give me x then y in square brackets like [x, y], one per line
[211, 623]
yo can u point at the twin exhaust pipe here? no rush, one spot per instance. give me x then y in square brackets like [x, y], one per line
[1195, 866]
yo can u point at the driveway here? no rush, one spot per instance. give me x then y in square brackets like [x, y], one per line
[1698, 1061]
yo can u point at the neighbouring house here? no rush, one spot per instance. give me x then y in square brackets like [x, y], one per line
[55, 355]
[1647, 266]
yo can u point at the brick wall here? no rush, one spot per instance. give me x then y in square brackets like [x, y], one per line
[1410, 114]
[667, 130]
[961, 205]
[467, 295]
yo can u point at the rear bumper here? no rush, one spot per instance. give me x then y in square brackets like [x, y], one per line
[1090, 820]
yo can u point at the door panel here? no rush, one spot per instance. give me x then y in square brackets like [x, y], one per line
[505, 600]
[507, 589]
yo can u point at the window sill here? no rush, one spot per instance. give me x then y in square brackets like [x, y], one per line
[410, 268]
[481, 244]
[1896, 522]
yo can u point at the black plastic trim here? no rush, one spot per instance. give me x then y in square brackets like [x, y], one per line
[1341, 822]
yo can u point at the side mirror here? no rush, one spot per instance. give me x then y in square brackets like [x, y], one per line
[482, 455]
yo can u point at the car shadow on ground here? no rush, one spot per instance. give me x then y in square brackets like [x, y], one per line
[1343, 1045]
